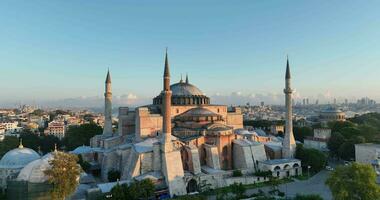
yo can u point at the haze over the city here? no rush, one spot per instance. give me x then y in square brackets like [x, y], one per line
[57, 53]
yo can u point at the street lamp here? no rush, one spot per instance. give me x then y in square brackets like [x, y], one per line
[308, 171]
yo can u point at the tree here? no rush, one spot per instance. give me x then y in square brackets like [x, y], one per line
[335, 142]
[301, 132]
[238, 190]
[80, 135]
[311, 157]
[135, 191]
[113, 175]
[48, 142]
[63, 175]
[237, 173]
[146, 188]
[337, 126]
[118, 192]
[347, 150]
[354, 182]
[83, 164]
[30, 140]
[9, 143]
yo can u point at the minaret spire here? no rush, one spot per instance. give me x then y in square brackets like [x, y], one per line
[166, 71]
[107, 128]
[187, 79]
[166, 106]
[108, 78]
[289, 144]
[287, 75]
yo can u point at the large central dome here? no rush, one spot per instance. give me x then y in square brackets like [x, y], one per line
[184, 93]
[185, 89]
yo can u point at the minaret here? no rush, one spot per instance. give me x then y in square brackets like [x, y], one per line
[289, 144]
[171, 163]
[166, 106]
[107, 129]
[187, 79]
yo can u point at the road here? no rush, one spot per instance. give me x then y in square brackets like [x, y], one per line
[314, 185]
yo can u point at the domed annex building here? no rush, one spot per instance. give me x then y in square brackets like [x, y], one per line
[182, 140]
[14, 161]
[331, 114]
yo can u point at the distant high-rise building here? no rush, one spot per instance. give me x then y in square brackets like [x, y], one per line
[334, 100]
[262, 103]
[316, 102]
[303, 101]
[307, 101]
[346, 101]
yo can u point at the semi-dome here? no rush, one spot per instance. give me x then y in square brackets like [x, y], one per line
[18, 158]
[199, 111]
[184, 93]
[34, 171]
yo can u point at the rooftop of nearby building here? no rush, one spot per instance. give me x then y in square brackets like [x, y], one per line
[279, 161]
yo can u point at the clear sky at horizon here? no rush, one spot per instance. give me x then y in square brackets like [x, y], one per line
[62, 49]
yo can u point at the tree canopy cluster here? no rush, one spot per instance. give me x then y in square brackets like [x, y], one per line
[359, 129]
[135, 191]
[80, 135]
[63, 175]
[43, 143]
[314, 158]
[354, 182]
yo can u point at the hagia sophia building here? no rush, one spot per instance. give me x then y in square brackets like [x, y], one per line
[182, 140]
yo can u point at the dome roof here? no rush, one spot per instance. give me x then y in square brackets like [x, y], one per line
[185, 89]
[18, 158]
[332, 109]
[82, 149]
[34, 171]
[199, 111]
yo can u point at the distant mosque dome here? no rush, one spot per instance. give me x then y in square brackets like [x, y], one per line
[332, 114]
[34, 171]
[18, 158]
[184, 93]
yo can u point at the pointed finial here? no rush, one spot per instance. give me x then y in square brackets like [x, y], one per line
[181, 81]
[187, 79]
[108, 79]
[166, 71]
[20, 145]
[287, 75]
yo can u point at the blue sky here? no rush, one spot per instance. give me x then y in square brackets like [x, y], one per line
[51, 50]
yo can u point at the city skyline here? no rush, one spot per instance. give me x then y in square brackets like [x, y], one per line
[246, 45]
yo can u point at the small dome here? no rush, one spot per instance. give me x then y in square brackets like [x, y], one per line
[185, 89]
[34, 171]
[82, 150]
[18, 158]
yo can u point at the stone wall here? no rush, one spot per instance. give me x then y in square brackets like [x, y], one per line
[365, 153]
[147, 124]
[212, 157]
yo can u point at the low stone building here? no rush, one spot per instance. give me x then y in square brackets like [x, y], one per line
[319, 140]
[282, 167]
[366, 153]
